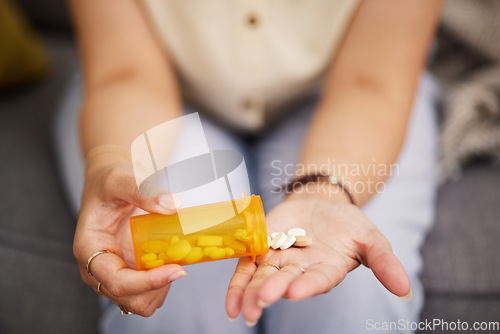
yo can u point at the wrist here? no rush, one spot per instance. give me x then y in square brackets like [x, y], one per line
[105, 157]
[317, 191]
[107, 150]
[318, 185]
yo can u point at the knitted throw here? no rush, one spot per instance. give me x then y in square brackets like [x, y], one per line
[467, 64]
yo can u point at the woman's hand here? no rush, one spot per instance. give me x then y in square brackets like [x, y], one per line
[343, 237]
[110, 197]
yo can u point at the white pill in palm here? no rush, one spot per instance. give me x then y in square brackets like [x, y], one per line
[278, 240]
[302, 241]
[268, 241]
[273, 235]
[290, 240]
[296, 231]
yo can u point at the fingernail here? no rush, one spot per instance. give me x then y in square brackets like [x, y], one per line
[176, 275]
[407, 296]
[250, 323]
[170, 202]
[262, 303]
[231, 319]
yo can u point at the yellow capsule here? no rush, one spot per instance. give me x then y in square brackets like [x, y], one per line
[207, 250]
[209, 240]
[241, 235]
[178, 250]
[148, 257]
[237, 246]
[154, 264]
[174, 239]
[154, 246]
[162, 256]
[194, 255]
[229, 251]
[217, 254]
[192, 240]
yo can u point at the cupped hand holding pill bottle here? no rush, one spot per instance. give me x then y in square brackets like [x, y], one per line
[109, 198]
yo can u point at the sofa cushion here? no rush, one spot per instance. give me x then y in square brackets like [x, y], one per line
[461, 252]
[464, 307]
[23, 58]
[50, 14]
[41, 287]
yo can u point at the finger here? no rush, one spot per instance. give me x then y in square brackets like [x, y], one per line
[386, 266]
[157, 302]
[113, 273]
[98, 288]
[151, 197]
[161, 301]
[276, 285]
[250, 306]
[241, 277]
[144, 304]
[317, 279]
[390, 272]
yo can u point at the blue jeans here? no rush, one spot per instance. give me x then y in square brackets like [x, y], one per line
[403, 211]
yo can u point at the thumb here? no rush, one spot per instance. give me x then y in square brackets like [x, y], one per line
[163, 201]
[150, 197]
[386, 266]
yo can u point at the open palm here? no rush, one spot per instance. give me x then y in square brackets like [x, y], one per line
[343, 237]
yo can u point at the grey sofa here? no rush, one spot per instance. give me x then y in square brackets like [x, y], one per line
[41, 290]
[461, 255]
[40, 286]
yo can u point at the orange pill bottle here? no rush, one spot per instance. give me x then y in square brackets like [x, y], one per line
[210, 232]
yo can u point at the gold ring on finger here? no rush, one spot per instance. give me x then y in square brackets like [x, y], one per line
[268, 264]
[296, 265]
[99, 291]
[87, 266]
[124, 310]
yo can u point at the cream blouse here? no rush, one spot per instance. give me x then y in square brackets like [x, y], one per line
[244, 61]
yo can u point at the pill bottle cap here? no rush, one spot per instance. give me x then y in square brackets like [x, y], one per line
[256, 225]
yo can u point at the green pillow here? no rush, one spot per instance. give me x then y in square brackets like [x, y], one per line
[23, 59]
